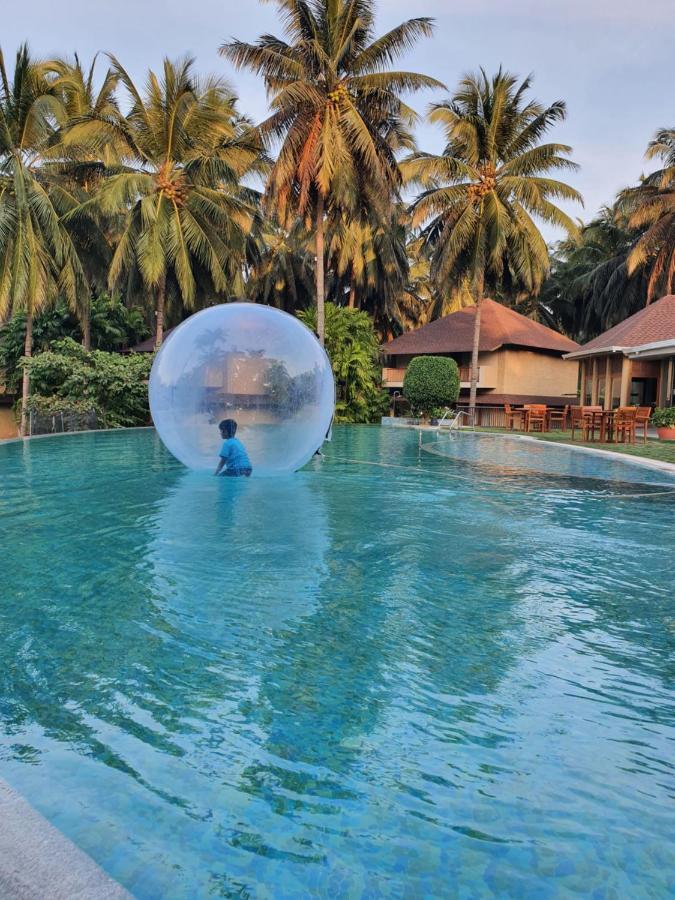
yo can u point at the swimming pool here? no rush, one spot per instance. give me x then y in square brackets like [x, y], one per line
[395, 674]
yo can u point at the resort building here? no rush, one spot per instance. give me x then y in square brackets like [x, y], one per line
[632, 364]
[519, 361]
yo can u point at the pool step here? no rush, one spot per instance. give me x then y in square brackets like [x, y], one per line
[37, 862]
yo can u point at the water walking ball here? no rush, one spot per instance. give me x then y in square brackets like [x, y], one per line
[251, 363]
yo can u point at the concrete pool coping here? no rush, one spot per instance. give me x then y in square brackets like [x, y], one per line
[38, 862]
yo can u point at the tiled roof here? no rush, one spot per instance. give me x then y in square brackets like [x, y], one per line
[655, 322]
[148, 346]
[500, 326]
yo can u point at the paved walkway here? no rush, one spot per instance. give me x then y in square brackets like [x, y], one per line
[37, 862]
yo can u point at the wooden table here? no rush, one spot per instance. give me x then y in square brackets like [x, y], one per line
[603, 420]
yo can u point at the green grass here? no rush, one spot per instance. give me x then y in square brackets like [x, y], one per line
[663, 451]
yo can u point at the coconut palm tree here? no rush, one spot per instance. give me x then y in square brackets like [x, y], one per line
[483, 194]
[651, 206]
[282, 272]
[336, 111]
[77, 170]
[589, 289]
[184, 151]
[37, 257]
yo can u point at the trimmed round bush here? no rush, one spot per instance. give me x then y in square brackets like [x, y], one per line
[431, 382]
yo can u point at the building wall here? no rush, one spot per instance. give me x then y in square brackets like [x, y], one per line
[518, 372]
[525, 372]
[7, 423]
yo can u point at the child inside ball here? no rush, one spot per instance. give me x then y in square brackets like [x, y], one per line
[233, 458]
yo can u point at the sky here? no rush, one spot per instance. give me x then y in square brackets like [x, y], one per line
[609, 60]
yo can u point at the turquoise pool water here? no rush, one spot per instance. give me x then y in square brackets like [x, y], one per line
[395, 674]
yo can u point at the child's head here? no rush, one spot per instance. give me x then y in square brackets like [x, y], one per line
[228, 428]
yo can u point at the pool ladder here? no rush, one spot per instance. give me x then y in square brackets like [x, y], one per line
[454, 424]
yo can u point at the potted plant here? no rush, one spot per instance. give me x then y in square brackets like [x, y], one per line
[663, 420]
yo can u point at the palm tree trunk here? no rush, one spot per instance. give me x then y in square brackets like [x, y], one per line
[352, 293]
[25, 387]
[86, 330]
[160, 297]
[320, 289]
[476, 344]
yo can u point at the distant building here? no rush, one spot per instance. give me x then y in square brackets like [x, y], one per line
[519, 361]
[632, 364]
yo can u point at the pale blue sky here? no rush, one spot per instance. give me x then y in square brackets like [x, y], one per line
[610, 60]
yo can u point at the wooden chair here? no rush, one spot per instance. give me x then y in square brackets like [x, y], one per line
[642, 420]
[624, 424]
[510, 416]
[575, 419]
[586, 419]
[537, 417]
[558, 415]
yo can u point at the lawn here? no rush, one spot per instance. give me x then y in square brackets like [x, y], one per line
[663, 451]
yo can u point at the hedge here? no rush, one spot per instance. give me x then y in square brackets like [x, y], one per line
[430, 384]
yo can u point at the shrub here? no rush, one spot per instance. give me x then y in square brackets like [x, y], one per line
[67, 378]
[664, 417]
[430, 383]
[353, 349]
[113, 325]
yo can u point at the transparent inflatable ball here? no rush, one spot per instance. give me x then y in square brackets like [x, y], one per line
[252, 364]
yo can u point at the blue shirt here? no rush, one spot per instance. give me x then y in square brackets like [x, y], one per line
[234, 454]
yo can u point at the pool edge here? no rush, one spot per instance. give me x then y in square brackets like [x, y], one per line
[38, 862]
[608, 454]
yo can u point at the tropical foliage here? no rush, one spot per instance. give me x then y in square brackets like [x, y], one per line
[69, 378]
[183, 150]
[113, 326]
[431, 383]
[336, 111]
[353, 349]
[651, 207]
[483, 195]
[38, 260]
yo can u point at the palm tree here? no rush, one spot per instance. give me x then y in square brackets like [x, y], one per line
[185, 150]
[37, 257]
[482, 192]
[336, 110]
[282, 272]
[651, 206]
[77, 170]
[589, 288]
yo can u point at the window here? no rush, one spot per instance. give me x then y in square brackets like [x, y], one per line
[642, 391]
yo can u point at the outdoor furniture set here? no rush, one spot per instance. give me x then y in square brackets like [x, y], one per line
[592, 422]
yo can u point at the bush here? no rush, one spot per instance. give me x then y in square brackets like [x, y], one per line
[113, 325]
[664, 417]
[68, 379]
[430, 383]
[353, 349]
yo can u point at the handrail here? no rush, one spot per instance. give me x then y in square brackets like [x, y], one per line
[455, 422]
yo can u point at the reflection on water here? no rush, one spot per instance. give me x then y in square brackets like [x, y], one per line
[432, 679]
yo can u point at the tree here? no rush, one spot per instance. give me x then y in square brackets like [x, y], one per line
[282, 272]
[37, 257]
[589, 289]
[651, 206]
[185, 151]
[336, 110]
[481, 193]
[77, 170]
[113, 326]
[353, 349]
[430, 383]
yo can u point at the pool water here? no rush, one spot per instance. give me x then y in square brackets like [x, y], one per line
[398, 673]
